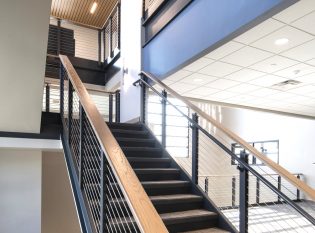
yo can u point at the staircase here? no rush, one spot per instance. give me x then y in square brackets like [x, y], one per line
[180, 205]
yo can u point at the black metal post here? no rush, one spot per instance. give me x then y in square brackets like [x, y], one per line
[298, 195]
[70, 99]
[81, 155]
[279, 187]
[62, 84]
[103, 204]
[111, 54]
[243, 194]
[233, 190]
[194, 153]
[99, 47]
[58, 36]
[164, 93]
[117, 103]
[257, 190]
[47, 97]
[143, 97]
[110, 111]
[104, 42]
[207, 185]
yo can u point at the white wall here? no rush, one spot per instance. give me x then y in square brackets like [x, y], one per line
[23, 37]
[58, 207]
[20, 192]
[131, 12]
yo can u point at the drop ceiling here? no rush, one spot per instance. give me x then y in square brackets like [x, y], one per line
[78, 11]
[251, 70]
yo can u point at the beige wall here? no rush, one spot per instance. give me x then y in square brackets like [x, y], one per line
[23, 37]
[58, 207]
[20, 191]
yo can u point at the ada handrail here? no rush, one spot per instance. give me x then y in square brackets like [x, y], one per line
[309, 191]
[142, 208]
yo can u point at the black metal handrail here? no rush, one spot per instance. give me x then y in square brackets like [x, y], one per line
[244, 167]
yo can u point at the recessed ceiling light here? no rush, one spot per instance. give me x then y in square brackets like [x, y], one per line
[93, 8]
[197, 80]
[281, 41]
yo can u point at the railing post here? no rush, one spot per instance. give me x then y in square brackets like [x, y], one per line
[194, 154]
[233, 190]
[103, 200]
[279, 187]
[47, 97]
[70, 99]
[298, 198]
[143, 101]
[243, 194]
[117, 103]
[81, 155]
[99, 47]
[62, 84]
[111, 54]
[207, 185]
[257, 190]
[110, 104]
[164, 93]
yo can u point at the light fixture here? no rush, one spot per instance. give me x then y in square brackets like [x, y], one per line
[197, 80]
[93, 8]
[281, 41]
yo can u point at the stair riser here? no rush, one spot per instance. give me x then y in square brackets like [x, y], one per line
[158, 176]
[143, 154]
[137, 144]
[154, 191]
[192, 224]
[137, 164]
[131, 135]
[125, 127]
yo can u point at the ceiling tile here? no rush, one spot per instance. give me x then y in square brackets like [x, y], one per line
[224, 50]
[311, 62]
[222, 84]
[198, 79]
[243, 88]
[273, 64]
[295, 36]
[198, 64]
[244, 75]
[267, 80]
[182, 87]
[219, 69]
[221, 95]
[296, 71]
[302, 52]
[246, 56]
[281, 96]
[203, 91]
[167, 82]
[179, 75]
[296, 11]
[263, 92]
[299, 99]
[306, 23]
[259, 31]
[240, 99]
[304, 90]
[310, 78]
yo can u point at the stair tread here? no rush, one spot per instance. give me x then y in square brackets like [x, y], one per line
[208, 230]
[136, 148]
[128, 131]
[188, 214]
[148, 159]
[175, 197]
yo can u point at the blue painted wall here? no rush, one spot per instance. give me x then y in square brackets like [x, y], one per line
[201, 25]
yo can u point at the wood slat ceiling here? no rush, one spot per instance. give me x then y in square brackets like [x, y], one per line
[78, 11]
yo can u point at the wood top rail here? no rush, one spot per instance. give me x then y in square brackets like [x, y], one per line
[309, 191]
[142, 208]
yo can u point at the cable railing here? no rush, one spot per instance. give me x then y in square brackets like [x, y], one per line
[256, 193]
[108, 103]
[109, 196]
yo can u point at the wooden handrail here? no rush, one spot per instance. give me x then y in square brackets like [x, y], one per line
[309, 191]
[142, 208]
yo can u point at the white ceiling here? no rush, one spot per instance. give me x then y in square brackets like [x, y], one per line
[244, 70]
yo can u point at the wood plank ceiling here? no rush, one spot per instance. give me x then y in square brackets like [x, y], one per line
[78, 11]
